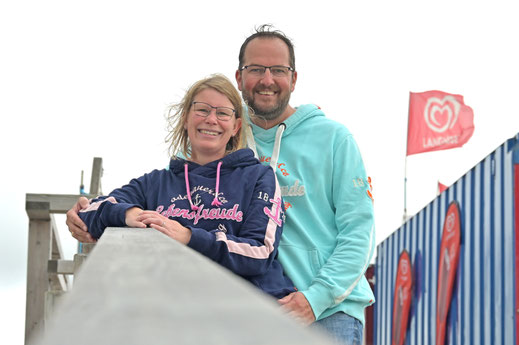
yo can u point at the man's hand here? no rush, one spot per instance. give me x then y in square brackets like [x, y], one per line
[298, 307]
[77, 228]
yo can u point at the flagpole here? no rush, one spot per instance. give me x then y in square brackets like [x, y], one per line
[405, 190]
[404, 218]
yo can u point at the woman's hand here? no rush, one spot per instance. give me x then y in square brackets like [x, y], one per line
[165, 225]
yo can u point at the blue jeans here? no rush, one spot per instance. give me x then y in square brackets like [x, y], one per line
[344, 329]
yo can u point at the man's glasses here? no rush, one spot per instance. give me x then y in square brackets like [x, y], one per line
[204, 109]
[259, 70]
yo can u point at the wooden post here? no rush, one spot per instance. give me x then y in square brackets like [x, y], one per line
[39, 251]
[97, 173]
[43, 245]
[46, 271]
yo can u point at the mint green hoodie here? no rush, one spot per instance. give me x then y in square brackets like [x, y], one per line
[329, 235]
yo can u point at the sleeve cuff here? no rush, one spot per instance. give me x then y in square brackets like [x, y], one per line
[201, 240]
[119, 211]
[319, 297]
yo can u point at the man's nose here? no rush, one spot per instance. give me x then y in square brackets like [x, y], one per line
[267, 78]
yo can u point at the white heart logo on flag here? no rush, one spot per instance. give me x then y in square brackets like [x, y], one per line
[441, 114]
[437, 121]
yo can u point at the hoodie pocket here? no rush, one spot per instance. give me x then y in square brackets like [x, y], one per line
[300, 264]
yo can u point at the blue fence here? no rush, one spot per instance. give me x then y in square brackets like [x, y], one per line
[484, 302]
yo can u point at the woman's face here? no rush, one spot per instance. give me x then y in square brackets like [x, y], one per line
[209, 129]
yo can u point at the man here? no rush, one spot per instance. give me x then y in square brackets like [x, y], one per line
[328, 237]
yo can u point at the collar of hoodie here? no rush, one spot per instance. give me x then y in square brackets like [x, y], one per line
[215, 169]
[277, 144]
[302, 113]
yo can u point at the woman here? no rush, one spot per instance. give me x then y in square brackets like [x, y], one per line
[219, 201]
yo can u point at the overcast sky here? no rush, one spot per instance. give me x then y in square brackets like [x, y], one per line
[93, 79]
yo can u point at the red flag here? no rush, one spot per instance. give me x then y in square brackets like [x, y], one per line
[438, 121]
[402, 299]
[441, 187]
[447, 268]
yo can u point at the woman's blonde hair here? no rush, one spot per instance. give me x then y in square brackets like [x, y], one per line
[177, 115]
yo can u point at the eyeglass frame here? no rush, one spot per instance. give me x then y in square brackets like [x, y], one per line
[290, 69]
[216, 111]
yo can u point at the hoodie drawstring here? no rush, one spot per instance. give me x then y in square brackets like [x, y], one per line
[250, 140]
[275, 150]
[215, 202]
[193, 207]
[277, 145]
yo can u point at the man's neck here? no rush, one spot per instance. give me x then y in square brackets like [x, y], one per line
[267, 124]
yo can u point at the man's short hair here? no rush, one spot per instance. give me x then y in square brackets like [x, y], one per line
[268, 31]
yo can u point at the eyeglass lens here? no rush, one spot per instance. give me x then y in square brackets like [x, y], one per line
[204, 109]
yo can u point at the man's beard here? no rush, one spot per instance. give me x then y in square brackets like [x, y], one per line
[269, 113]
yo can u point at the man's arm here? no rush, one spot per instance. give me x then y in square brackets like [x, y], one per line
[76, 226]
[355, 238]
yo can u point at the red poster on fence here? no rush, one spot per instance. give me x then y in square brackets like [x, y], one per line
[448, 266]
[437, 121]
[402, 299]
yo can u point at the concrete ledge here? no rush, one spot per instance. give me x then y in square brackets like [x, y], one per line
[138, 286]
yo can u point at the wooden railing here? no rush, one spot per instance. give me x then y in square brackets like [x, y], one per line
[47, 270]
[139, 286]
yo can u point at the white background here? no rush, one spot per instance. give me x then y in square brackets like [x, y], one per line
[84, 79]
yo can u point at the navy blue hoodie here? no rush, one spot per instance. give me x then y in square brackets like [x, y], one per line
[234, 210]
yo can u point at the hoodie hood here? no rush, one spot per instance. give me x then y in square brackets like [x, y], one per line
[236, 159]
[283, 130]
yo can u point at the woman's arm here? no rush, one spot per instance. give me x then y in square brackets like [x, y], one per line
[112, 210]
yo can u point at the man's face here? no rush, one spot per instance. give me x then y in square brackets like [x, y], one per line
[267, 95]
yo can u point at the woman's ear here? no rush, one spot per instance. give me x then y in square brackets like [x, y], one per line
[237, 126]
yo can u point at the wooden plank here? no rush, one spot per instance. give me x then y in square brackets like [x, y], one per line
[140, 287]
[61, 266]
[97, 173]
[57, 250]
[59, 282]
[36, 204]
[39, 251]
[37, 209]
